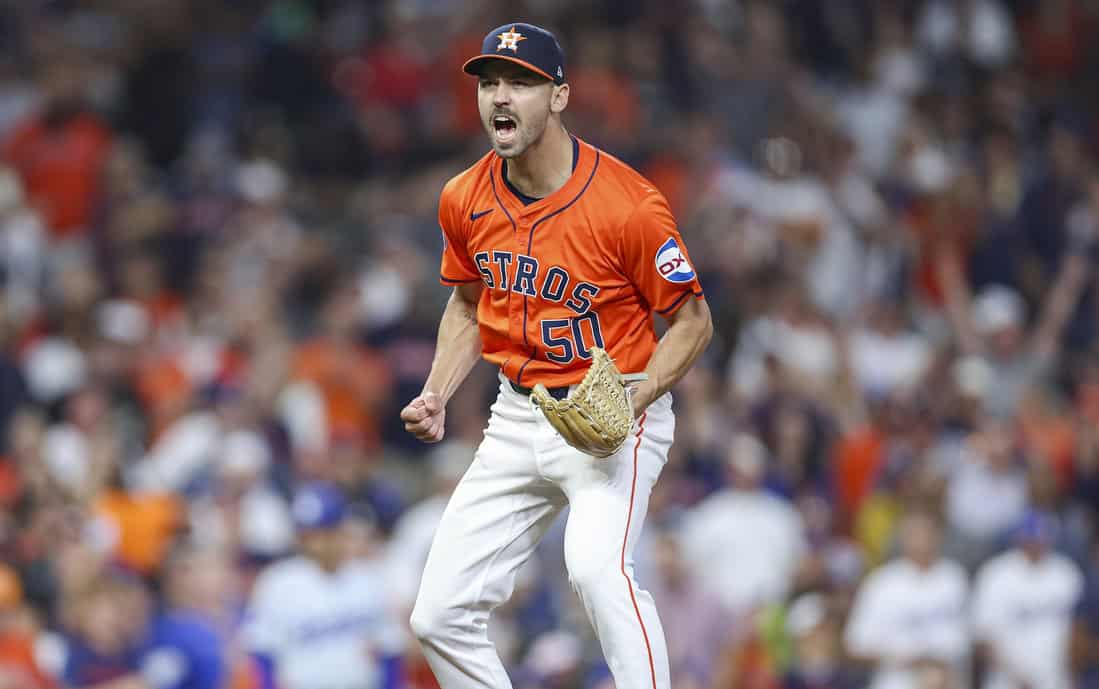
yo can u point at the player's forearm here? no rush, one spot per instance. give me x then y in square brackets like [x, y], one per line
[958, 302]
[687, 337]
[1060, 305]
[457, 348]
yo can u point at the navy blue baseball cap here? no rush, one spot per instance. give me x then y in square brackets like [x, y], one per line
[319, 506]
[524, 44]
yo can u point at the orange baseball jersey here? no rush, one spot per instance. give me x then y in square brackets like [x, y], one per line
[586, 266]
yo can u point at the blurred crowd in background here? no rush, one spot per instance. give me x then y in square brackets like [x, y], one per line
[218, 252]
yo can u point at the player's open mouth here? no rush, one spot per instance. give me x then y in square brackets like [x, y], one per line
[504, 127]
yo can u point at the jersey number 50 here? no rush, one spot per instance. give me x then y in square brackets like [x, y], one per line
[564, 338]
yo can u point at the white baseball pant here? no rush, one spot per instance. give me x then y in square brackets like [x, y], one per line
[523, 474]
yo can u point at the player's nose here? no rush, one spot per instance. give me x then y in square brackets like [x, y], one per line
[502, 95]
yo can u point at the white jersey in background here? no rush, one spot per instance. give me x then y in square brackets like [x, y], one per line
[409, 546]
[744, 546]
[902, 614]
[322, 630]
[1023, 610]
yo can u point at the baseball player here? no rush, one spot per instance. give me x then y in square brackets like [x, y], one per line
[319, 620]
[1023, 603]
[908, 617]
[559, 254]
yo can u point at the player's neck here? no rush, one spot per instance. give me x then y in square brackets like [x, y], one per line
[545, 166]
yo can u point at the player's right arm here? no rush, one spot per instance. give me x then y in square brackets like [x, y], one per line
[457, 349]
[458, 345]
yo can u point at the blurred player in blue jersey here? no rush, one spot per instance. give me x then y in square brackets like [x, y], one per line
[105, 624]
[189, 645]
[121, 642]
[319, 620]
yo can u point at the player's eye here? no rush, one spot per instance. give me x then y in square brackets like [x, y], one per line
[485, 83]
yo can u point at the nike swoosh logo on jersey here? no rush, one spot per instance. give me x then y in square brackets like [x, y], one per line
[474, 216]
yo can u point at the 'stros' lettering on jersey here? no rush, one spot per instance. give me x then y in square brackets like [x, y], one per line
[563, 339]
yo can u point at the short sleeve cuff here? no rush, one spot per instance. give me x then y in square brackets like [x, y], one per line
[679, 302]
[451, 281]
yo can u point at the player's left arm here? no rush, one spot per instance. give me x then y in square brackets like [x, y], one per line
[655, 258]
[689, 332]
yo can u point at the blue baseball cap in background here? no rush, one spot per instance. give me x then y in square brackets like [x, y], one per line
[524, 44]
[1036, 527]
[319, 506]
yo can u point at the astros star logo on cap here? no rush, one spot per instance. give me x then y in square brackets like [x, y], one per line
[510, 40]
[541, 53]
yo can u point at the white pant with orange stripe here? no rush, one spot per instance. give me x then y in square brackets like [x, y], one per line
[521, 477]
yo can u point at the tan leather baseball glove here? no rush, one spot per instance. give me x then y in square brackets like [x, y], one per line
[597, 415]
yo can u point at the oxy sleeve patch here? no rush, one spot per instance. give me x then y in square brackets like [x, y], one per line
[672, 264]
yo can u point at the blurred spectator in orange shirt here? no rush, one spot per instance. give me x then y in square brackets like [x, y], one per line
[352, 379]
[604, 106]
[145, 524]
[60, 151]
[1047, 435]
[857, 459]
[18, 667]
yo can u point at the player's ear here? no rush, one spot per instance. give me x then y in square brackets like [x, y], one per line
[559, 99]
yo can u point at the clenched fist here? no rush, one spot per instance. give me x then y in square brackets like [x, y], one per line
[424, 416]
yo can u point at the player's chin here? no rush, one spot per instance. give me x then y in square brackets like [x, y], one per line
[509, 147]
[506, 151]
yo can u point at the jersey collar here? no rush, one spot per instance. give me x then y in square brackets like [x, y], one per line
[523, 198]
[580, 177]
